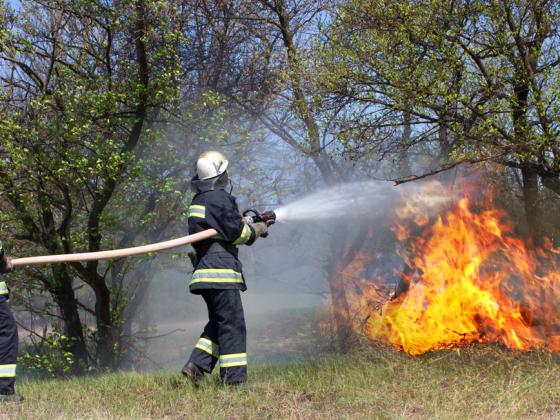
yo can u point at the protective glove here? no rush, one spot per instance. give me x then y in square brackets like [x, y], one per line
[260, 228]
[5, 264]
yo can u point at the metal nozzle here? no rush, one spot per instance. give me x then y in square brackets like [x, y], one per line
[269, 217]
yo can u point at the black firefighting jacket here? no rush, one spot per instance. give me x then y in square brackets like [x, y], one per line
[218, 266]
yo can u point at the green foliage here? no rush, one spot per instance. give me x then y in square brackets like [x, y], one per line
[99, 125]
[82, 167]
[482, 73]
[49, 357]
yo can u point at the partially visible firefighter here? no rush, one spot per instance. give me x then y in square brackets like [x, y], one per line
[8, 338]
[218, 275]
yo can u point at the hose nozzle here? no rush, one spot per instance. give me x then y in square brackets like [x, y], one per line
[268, 217]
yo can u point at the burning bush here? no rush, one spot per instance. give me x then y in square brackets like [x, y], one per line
[466, 278]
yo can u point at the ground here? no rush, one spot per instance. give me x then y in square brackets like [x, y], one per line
[372, 382]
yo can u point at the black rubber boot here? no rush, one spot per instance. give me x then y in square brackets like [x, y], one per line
[193, 373]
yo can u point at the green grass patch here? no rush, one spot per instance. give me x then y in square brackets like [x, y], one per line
[478, 382]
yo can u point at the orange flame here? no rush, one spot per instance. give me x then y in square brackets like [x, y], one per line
[470, 281]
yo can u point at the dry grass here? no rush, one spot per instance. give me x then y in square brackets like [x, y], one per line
[479, 382]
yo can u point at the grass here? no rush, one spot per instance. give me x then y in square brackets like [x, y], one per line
[377, 382]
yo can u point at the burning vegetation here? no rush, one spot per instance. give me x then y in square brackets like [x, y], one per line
[466, 277]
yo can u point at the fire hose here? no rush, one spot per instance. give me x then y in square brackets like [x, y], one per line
[116, 253]
[251, 216]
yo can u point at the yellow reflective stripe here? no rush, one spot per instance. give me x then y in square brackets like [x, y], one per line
[215, 280]
[233, 364]
[227, 356]
[231, 360]
[196, 211]
[208, 346]
[216, 275]
[218, 237]
[3, 288]
[7, 371]
[245, 235]
[216, 270]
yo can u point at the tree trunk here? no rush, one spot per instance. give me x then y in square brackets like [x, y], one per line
[403, 164]
[63, 295]
[105, 340]
[444, 146]
[531, 204]
[528, 172]
[106, 331]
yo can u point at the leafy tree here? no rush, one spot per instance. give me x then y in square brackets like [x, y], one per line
[83, 86]
[476, 80]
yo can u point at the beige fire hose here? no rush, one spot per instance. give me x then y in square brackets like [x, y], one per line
[116, 253]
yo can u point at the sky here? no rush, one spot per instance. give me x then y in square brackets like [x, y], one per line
[13, 3]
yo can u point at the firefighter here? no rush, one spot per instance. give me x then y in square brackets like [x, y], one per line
[8, 339]
[218, 275]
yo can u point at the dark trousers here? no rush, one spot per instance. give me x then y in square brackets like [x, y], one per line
[8, 348]
[224, 338]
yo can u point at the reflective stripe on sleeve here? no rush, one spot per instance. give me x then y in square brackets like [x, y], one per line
[231, 360]
[7, 371]
[245, 235]
[196, 211]
[216, 275]
[3, 288]
[208, 346]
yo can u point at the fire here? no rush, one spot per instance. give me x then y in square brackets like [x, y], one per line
[470, 280]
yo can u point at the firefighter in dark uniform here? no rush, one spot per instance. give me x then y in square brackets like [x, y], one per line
[218, 275]
[8, 338]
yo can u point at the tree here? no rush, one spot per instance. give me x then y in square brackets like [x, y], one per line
[83, 84]
[478, 79]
